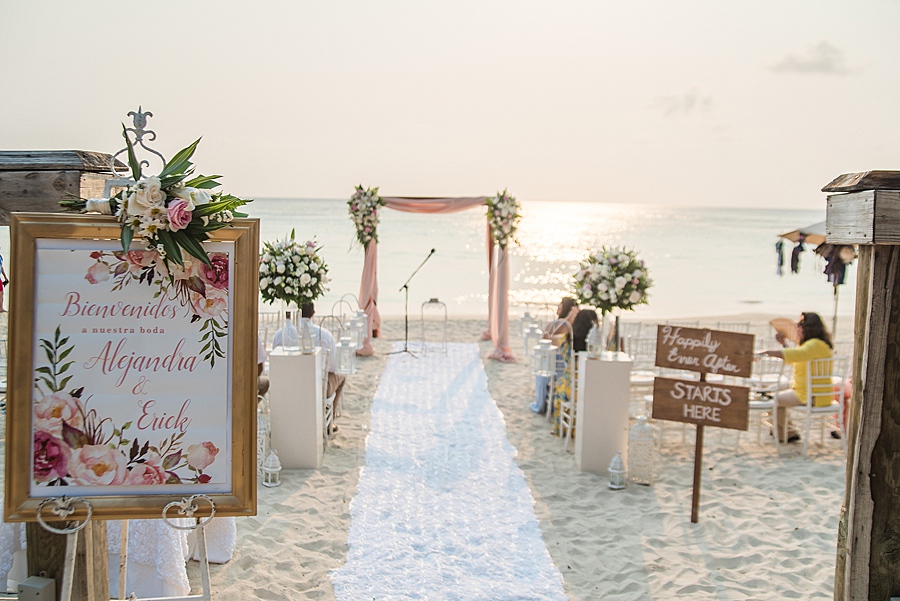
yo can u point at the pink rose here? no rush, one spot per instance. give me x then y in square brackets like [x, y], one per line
[51, 457]
[53, 409]
[137, 260]
[145, 473]
[200, 456]
[217, 275]
[179, 214]
[97, 464]
[98, 272]
[211, 305]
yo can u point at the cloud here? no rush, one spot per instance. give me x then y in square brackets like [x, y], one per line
[686, 104]
[822, 58]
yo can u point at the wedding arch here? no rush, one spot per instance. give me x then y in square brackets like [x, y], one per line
[503, 215]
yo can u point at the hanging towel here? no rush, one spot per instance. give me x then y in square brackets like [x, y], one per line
[779, 250]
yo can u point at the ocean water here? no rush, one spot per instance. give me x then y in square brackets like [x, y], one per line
[704, 261]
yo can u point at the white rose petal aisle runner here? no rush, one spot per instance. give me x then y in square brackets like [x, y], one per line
[442, 510]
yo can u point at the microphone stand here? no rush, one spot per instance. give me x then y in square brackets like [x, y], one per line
[405, 288]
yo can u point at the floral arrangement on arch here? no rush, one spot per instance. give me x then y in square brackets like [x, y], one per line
[612, 278]
[504, 214]
[292, 272]
[74, 445]
[173, 212]
[200, 287]
[363, 206]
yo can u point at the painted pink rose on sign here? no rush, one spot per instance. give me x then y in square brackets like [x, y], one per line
[51, 457]
[138, 260]
[98, 272]
[146, 473]
[98, 464]
[217, 275]
[52, 410]
[200, 456]
[212, 305]
[180, 215]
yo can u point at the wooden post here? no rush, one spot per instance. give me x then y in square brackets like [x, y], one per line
[36, 180]
[867, 213]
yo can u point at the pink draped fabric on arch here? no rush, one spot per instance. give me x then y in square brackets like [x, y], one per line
[498, 275]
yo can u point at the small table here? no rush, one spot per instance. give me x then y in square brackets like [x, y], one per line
[601, 410]
[296, 407]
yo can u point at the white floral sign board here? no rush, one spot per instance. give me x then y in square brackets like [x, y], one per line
[131, 390]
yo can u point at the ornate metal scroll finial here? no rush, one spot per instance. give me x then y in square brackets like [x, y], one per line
[63, 507]
[188, 507]
[140, 131]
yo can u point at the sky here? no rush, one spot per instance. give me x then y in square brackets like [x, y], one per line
[668, 102]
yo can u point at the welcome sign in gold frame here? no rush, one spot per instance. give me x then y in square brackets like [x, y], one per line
[122, 388]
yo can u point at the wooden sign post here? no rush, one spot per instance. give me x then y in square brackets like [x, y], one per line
[703, 403]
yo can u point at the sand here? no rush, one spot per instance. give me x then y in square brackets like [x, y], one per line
[767, 528]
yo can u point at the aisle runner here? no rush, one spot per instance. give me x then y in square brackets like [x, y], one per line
[442, 510]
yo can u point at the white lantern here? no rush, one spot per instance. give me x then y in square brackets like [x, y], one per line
[307, 341]
[641, 446]
[363, 320]
[594, 342]
[272, 470]
[617, 473]
[525, 323]
[532, 337]
[544, 359]
[345, 352]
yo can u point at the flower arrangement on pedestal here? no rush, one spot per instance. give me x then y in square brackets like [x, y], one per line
[292, 272]
[612, 278]
[504, 214]
[173, 212]
[363, 206]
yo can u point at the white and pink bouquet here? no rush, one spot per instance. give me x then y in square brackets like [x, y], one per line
[363, 207]
[173, 212]
[504, 214]
[292, 272]
[612, 278]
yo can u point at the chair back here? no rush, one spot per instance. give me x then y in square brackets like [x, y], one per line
[333, 324]
[821, 377]
[766, 376]
[643, 353]
[734, 326]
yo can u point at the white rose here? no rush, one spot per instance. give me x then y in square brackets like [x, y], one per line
[602, 287]
[279, 267]
[620, 282]
[264, 283]
[305, 279]
[635, 297]
[146, 195]
[587, 293]
[288, 290]
[194, 196]
[313, 281]
[277, 281]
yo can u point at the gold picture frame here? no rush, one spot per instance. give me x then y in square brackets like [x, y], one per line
[234, 494]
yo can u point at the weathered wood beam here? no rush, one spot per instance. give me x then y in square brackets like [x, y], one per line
[865, 180]
[867, 217]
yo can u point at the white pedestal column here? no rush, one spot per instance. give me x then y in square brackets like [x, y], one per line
[601, 410]
[295, 406]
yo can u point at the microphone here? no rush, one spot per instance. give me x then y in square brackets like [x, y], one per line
[432, 252]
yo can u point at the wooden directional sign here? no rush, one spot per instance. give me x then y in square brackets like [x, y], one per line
[701, 403]
[704, 351]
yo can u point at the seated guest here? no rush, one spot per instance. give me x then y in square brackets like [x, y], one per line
[568, 310]
[325, 339]
[262, 381]
[581, 327]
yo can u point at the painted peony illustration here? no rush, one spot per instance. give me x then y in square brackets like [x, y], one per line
[73, 445]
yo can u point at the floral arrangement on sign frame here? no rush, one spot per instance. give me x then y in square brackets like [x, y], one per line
[363, 207]
[504, 214]
[171, 212]
[292, 272]
[612, 278]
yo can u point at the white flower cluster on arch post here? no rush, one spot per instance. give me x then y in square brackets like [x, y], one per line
[504, 214]
[363, 207]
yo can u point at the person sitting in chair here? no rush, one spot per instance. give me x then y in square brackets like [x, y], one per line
[567, 309]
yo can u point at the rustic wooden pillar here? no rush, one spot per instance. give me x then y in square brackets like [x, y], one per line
[36, 181]
[867, 213]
